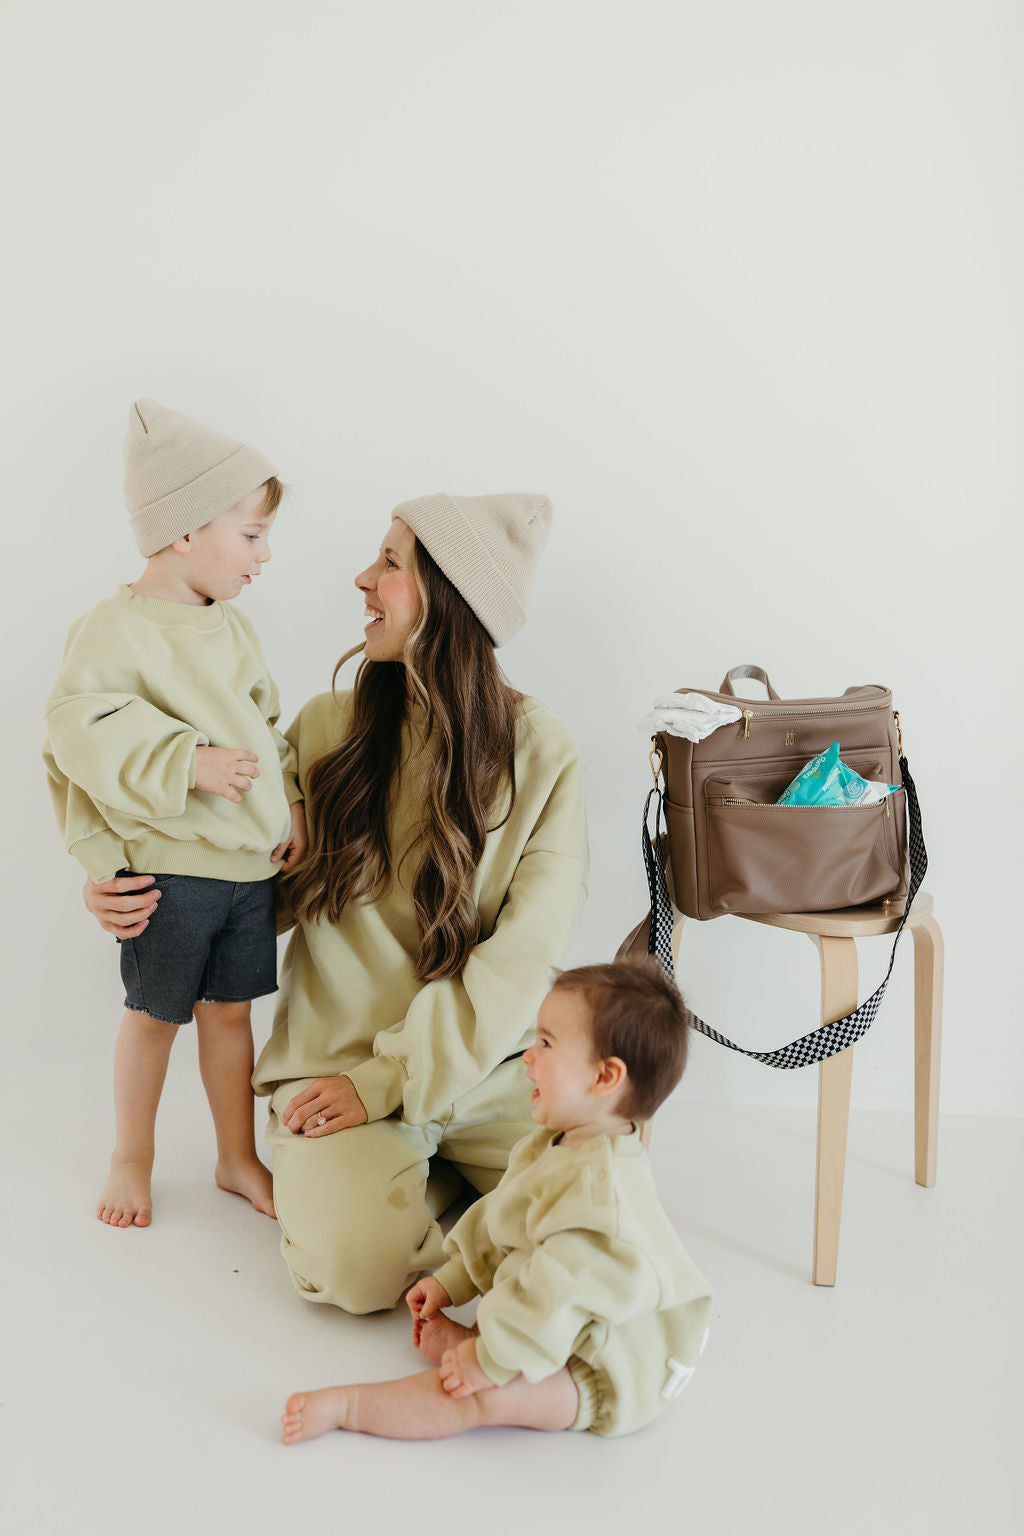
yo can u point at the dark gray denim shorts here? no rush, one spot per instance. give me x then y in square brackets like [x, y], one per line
[209, 941]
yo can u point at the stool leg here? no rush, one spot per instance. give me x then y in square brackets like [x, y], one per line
[927, 1043]
[838, 997]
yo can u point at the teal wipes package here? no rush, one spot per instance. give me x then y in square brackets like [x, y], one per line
[827, 780]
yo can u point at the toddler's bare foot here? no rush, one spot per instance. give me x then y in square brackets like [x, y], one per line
[249, 1178]
[125, 1199]
[308, 1414]
[437, 1334]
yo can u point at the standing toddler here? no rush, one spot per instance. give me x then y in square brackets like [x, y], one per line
[592, 1316]
[164, 760]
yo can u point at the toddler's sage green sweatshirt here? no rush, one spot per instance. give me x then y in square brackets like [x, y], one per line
[575, 1260]
[143, 684]
[350, 999]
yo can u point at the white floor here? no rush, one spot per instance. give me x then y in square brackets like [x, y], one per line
[144, 1370]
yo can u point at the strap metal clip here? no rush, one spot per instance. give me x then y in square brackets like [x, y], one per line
[655, 759]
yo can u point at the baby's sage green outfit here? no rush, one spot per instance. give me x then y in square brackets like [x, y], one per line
[144, 683]
[435, 1064]
[577, 1264]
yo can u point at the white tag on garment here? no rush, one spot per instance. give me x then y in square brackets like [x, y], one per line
[678, 1377]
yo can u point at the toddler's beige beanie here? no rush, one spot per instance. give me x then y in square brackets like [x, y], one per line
[488, 547]
[179, 475]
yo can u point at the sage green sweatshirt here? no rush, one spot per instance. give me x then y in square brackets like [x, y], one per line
[350, 1002]
[573, 1256]
[143, 684]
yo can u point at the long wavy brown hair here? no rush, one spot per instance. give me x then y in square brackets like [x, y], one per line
[468, 727]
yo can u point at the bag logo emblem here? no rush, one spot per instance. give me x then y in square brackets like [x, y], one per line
[790, 738]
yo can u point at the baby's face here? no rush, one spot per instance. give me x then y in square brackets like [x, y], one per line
[562, 1065]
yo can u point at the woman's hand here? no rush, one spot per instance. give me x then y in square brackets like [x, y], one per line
[461, 1375]
[123, 906]
[333, 1098]
[291, 850]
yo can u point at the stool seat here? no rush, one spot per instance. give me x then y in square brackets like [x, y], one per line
[849, 922]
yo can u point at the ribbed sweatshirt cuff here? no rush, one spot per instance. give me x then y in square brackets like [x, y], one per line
[455, 1279]
[380, 1084]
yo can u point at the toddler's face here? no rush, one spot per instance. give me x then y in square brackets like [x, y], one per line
[229, 553]
[562, 1065]
[393, 601]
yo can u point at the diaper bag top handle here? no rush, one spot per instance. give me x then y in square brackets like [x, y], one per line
[746, 670]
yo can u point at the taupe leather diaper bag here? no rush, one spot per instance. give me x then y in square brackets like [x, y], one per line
[732, 849]
[729, 848]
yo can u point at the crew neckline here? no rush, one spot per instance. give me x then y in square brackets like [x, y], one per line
[625, 1144]
[160, 610]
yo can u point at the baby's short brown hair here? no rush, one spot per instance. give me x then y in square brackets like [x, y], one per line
[637, 1014]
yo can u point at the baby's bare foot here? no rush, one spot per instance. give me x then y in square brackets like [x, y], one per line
[125, 1199]
[308, 1414]
[249, 1178]
[437, 1334]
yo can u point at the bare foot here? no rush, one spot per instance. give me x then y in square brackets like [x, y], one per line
[308, 1414]
[125, 1199]
[437, 1334]
[252, 1179]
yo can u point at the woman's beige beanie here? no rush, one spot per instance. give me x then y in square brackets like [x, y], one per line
[180, 475]
[488, 547]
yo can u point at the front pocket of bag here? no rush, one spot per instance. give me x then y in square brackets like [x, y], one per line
[783, 858]
[767, 781]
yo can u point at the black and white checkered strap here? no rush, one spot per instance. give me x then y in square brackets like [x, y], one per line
[827, 1039]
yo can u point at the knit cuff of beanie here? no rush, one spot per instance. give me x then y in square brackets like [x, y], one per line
[192, 506]
[179, 474]
[488, 547]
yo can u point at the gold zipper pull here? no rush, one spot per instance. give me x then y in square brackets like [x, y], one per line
[748, 715]
[887, 810]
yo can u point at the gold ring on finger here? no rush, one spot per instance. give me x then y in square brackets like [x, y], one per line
[321, 1119]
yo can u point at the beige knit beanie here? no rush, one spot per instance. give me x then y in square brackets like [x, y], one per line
[488, 547]
[179, 475]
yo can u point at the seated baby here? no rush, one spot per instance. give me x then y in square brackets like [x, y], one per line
[592, 1316]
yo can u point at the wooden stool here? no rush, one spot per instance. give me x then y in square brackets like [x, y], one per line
[834, 934]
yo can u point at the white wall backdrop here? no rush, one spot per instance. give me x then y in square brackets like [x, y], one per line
[737, 284]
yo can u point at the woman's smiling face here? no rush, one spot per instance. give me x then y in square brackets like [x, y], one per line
[393, 600]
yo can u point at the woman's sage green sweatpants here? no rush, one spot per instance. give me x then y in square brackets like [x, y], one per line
[356, 1213]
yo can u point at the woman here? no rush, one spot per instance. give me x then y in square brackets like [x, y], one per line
[444, 876]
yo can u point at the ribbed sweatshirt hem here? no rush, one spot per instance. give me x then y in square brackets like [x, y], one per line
[164, 856]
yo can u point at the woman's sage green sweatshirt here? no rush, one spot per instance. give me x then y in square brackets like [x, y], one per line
[351, 1003]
